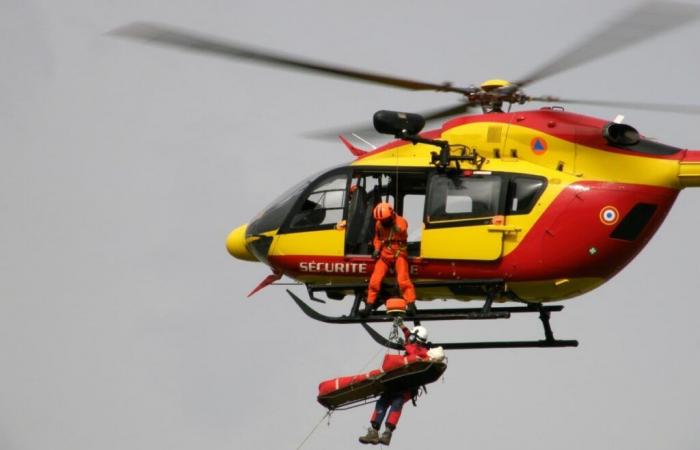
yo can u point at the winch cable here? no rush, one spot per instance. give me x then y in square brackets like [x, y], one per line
[396, 198]
[326, 414]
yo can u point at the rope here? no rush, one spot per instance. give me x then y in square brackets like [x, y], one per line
[370, 361]
[327, 414]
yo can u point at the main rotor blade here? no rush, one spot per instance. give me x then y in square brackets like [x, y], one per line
[365, 129]
[646, 21]
[179, 38]
[462, 108]
[663, 107]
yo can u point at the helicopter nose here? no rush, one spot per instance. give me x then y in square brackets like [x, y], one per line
[235, 244]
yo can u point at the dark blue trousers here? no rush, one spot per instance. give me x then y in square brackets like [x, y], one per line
[393, 403]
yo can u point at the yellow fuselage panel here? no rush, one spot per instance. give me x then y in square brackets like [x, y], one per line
[501, 141]
[407, 155]
[583, 162]
[462, 243]
[552, 290]
[600, 165]
[310, 243]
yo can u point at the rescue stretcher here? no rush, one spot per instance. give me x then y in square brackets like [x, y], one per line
[398, 373]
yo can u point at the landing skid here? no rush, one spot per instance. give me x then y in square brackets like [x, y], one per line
[486, 312]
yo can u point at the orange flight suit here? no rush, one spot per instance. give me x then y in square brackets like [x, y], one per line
[391, 241]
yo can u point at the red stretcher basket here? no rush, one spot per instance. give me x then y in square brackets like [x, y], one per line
[398, 373]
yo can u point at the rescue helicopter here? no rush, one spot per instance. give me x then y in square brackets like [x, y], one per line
[516, 208]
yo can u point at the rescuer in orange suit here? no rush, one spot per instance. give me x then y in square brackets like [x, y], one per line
[390, 250]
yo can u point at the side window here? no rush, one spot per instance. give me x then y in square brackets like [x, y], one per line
[462, 197]
[323, 206]
[523, 194]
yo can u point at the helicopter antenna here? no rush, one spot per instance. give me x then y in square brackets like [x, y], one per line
[374, 147]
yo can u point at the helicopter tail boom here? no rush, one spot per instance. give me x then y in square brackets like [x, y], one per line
[689, 169]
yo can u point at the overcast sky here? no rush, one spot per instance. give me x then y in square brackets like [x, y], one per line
[123, 166]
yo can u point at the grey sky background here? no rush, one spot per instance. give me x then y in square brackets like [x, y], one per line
[123, 321]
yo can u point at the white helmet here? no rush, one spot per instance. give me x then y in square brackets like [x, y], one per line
[420, 334]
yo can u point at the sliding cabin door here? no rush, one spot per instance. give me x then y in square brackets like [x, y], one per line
[464, 217]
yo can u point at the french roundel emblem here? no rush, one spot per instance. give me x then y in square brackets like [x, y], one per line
[609, 215]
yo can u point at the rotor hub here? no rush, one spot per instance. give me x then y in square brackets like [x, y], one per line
[490, 85]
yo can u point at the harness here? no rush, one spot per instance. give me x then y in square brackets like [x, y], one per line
[387, 243]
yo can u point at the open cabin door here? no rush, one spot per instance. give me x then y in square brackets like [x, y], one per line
[404, 190]
[459, 222]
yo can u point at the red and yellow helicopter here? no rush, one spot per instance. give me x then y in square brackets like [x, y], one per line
[522, 206]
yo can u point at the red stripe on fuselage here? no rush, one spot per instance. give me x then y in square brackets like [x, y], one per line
[691, 156]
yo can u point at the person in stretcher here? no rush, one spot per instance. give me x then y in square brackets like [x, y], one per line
[415, 344]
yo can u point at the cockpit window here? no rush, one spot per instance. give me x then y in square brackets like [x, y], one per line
[323, 206]
[523, 193]
[274, 214]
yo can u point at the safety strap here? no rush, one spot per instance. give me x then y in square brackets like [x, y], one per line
[402, 244]
[394, 336]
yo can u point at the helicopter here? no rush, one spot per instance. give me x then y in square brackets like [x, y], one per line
[529, 207]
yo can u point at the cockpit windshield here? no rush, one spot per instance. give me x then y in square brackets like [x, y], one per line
[272, 216]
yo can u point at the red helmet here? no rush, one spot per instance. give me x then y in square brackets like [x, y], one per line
[383, 211]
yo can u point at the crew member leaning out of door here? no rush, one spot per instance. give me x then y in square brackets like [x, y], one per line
[390, 250]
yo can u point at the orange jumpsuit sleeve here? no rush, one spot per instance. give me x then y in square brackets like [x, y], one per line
[377, 242]
[402, 226]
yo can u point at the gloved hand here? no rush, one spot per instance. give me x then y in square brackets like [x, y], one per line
[375, 254]
[399, 322]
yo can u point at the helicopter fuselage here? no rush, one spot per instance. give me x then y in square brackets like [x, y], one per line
[558, 207]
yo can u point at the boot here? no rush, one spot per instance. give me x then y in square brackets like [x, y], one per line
[372, 436]
[385, 438]
[411, 309]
